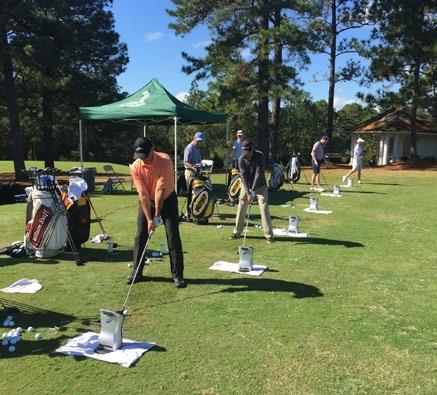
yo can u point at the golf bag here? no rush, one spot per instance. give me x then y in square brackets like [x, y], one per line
[45, 233]
[202, 201]
[277, 177]
[293, 169]
[234, 186]
[78, 216]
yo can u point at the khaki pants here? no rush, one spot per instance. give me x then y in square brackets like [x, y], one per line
[189, 175]
[262, 196]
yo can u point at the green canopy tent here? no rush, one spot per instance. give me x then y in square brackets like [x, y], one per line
[152, 105]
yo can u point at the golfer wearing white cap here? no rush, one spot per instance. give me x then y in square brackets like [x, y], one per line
[236, 147]
[357, 161]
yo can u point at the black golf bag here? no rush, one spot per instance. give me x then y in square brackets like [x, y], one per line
[201, 207]
[276, 178]
[293, 169]
[78, 218]
[234, 187]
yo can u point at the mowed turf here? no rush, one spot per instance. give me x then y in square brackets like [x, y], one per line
[349, 310]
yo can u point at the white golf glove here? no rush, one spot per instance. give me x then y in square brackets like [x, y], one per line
[157, 220]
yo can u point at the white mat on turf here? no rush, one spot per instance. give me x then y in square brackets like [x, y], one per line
[330, 194]
[307, 210]
[85, 344]
[233, 267]
[285, 232]
[23, 286]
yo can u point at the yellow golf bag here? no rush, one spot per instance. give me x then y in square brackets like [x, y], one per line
[234, 186]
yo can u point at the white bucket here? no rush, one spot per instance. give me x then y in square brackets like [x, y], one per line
[336, 190]
[349, 182]
[293, 224]
[246, 259]
[111, 324]
[313, 203]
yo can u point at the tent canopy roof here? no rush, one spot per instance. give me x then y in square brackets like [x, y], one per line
[151, 104]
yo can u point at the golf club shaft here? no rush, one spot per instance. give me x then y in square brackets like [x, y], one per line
[324, 180]
[138, 267]
[99, 220]
[247, 225]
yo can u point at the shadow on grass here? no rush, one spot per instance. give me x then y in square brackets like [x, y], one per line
[385, 183]
[314, 240]
[300, 290]
[365, 192]
[25, 315]
[281, 197]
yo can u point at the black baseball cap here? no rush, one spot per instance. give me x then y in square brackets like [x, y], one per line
[142, 147]
[247, 145]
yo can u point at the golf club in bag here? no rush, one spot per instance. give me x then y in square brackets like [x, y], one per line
[111, 322]
[46, 228]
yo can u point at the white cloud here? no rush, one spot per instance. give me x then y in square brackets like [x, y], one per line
[201, 44]
[153, 36]
[182, 96]
[340, 102]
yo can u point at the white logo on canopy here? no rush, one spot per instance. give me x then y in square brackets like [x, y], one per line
[138, 102]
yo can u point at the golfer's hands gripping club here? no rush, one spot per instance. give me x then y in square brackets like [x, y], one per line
[251, 196]
[157, 220]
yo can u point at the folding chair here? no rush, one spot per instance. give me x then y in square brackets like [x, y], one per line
[114, 177]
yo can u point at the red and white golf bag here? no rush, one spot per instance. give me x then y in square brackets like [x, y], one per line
[45, 229]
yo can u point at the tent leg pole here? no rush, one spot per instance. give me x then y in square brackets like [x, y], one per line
[80, 143]
[176, 154]
[144, 130]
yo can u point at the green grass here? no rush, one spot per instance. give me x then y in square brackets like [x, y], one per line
[349, 310]
[8, 166]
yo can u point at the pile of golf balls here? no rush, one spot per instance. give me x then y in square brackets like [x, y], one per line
[12, 337]
[9, 321]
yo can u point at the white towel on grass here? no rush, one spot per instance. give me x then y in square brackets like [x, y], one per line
[285, 232]
[23, 286]
[233, 267]
[331, 194]
[308, 210]
[85, 344]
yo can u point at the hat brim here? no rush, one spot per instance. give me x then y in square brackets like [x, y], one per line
[139, 155]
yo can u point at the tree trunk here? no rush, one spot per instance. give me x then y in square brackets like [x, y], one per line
[332, 57]
[11, 102]
[276, 104]
[263, 91]
[413, 136]
[47, 126]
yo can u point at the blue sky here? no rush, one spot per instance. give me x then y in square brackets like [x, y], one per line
[155, 51]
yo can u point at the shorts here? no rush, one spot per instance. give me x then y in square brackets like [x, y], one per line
[357, 164]
[315, 166]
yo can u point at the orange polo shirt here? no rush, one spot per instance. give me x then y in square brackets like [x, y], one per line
[155, 175]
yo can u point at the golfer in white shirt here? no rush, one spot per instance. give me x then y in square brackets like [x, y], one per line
[357, 161]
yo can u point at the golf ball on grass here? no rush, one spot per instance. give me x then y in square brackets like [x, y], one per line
[125, 312]
[38, 336]
[30, 329]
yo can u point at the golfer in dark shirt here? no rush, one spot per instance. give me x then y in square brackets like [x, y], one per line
[254, 185]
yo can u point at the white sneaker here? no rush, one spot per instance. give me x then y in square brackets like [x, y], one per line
[359, 182]
[312, 189]
[344, 178]
[319, 189]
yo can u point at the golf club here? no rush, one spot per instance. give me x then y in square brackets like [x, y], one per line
[111, 322]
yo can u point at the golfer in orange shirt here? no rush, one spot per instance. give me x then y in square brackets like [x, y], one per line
[152, 173]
